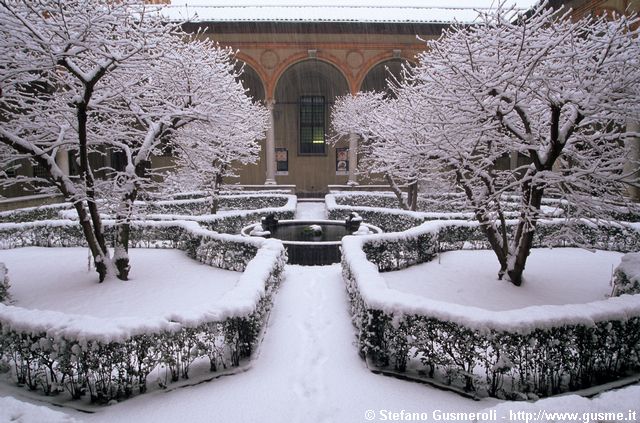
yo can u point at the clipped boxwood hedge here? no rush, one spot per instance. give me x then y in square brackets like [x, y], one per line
[526, 357]
[48, 356]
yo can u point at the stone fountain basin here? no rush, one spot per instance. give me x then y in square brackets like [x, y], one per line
[306, 248]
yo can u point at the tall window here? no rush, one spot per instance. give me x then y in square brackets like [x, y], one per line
[312, 125]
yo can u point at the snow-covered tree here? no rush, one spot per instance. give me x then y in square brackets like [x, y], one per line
[94, 78]
[557, 93]
[206, 153]
[367, 115]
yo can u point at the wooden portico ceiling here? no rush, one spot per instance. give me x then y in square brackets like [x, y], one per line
[351, 56]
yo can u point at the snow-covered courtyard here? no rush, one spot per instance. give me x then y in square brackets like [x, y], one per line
[289, 213]
[307, 368]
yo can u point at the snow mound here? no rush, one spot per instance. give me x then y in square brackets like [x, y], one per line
[12, 410]
[622, 405]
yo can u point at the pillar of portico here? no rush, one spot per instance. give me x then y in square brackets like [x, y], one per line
[62, 160]
[353, 159]
[271, 146]
[513, 160]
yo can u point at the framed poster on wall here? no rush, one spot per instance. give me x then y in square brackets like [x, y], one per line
[282, 161]
[342, 161]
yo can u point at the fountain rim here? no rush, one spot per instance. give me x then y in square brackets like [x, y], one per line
[376, 230]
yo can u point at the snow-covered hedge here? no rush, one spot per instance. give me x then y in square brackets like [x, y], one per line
[111, 358]
[382, 210]
[394, 251]
[250, 210]
[614, 406]
[237, 211]
[202, 206]
[339, 206]
[627, 275]
[230, 190]
[67, 232]
[30, 214]
[430, 203]
[4, 283]
[538, 350]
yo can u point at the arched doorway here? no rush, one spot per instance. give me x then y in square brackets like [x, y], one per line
[304, 95]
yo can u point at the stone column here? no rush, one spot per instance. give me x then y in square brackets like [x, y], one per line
[62, 160]
[353, 159]
[513, 160]
[271, 146]
[632, 167]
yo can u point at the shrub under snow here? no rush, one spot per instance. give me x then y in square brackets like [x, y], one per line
[4, 283]
[516, 354]
[111, 358]
[627, 275]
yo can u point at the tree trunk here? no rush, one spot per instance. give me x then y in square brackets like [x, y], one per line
[396, 191]
[100, 255]
[497, 236]
[525, 231]
[123, 229]
[215, 194]
[496, 241]
[121, 250]
[412, 195]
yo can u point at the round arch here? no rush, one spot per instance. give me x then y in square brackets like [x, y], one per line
[296, 59]
[374, 73]
[251, 78]
[310, 77]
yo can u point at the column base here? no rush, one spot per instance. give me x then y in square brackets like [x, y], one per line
[270, 182]
[353, 183]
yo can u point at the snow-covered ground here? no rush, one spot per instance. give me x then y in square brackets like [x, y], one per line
[310, 210]
[469, 277]
[15, 411]
[307, 370]
[162, 282]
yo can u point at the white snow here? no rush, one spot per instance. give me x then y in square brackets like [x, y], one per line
[310, 210]
[352, 11]
[376, 294]
[630, 266]
[615, 406]
[552, 276]
[307, 370]
[258, 230]
[161, 282]
[13, 410]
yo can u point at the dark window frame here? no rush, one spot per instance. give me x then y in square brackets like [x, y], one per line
[312, 125]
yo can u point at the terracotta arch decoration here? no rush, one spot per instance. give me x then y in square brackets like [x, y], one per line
[301, 57]
[372, 63]
[257, 68]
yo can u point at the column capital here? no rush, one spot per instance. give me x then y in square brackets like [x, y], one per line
[270, 103]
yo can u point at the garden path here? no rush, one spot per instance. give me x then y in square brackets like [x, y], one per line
[310, 210]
